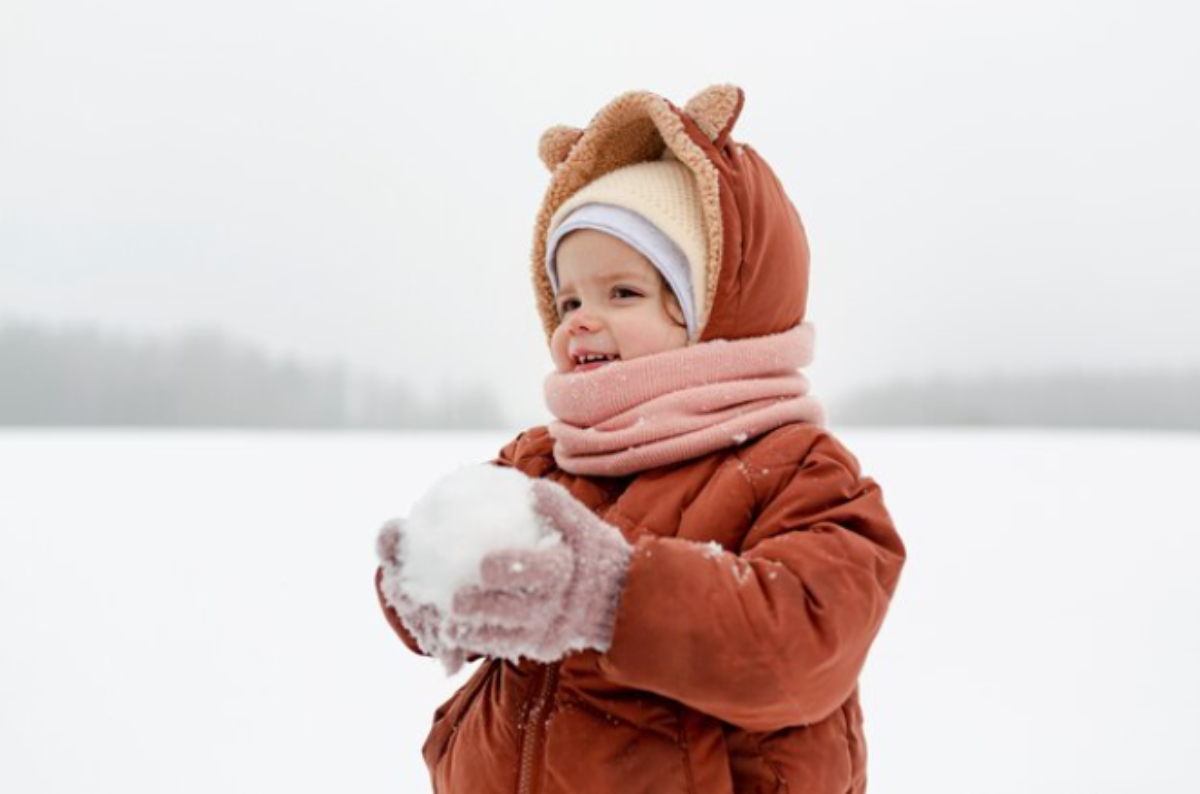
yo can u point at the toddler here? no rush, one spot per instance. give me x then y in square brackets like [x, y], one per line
[723, 565]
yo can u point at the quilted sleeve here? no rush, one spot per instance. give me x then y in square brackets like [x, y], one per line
[531, 452]
[776, 635]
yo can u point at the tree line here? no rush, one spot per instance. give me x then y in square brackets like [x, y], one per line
[1161, 400]
[80, 376]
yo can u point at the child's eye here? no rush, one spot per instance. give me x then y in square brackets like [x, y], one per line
[625, 292]
[567, 304]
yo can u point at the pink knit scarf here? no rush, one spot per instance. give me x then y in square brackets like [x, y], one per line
[629, 416]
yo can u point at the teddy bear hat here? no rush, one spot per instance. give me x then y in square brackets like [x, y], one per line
[754, 278]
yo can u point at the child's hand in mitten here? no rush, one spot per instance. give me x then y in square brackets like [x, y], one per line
[424, 621]
[543, 603]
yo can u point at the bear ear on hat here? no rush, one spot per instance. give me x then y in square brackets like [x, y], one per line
[556, 143]
[715, 110]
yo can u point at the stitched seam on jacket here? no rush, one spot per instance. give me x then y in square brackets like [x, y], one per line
[777, 436]
[608, 511]
[467, 697]
[850, 742]
[780, 436]
[683, 746]
[746, 467]
[742, 469]
[770, 764]
[619, 520]
[755, 498]
[568, 701]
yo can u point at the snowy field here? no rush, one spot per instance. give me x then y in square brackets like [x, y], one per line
[195, 613]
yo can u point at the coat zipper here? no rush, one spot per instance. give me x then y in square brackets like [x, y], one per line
[539, 711]
[535, 727]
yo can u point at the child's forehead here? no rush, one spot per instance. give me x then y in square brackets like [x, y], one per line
[602, 260]
[605, 272]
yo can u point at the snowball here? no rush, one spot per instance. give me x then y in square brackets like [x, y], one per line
[460, 520]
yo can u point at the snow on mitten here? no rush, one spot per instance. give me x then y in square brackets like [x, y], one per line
[543, 603]
[423, 621]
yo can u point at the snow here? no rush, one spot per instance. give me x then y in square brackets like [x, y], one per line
[464, 517]
[194, 613]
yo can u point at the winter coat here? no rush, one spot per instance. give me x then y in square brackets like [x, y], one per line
[761, 573]
[725, 674]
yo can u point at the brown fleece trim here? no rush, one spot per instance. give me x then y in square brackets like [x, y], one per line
[556, 143]
[714, 110]
[635, 127]
[691, 155]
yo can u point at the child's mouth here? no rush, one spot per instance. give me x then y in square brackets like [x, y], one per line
[589, 362]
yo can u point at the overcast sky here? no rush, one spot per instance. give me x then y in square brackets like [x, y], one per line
[987, 186]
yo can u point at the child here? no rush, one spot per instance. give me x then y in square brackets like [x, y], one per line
[724, 567]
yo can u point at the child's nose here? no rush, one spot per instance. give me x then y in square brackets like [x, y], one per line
[583, 321]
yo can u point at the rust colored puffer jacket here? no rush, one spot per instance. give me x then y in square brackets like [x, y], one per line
[727, 674]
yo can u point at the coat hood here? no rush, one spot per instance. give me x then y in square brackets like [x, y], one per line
[756, 272]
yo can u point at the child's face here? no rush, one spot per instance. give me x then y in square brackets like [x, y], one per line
[611, 301]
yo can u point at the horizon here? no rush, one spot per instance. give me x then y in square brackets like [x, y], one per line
[186, 379]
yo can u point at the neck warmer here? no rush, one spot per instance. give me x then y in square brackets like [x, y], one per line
[629, 416]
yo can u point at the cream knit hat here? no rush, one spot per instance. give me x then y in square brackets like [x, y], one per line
[664, 193]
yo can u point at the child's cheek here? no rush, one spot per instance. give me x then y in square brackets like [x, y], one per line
[558, 350]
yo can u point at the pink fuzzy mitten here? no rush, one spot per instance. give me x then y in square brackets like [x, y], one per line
[543, 603]
[424, 621]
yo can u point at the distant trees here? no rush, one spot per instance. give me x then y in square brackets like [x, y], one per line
[80, 377]
[84, 377]
[1162, 400]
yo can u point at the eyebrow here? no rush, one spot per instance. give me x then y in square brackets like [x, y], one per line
[620, 275]
[623, 275]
